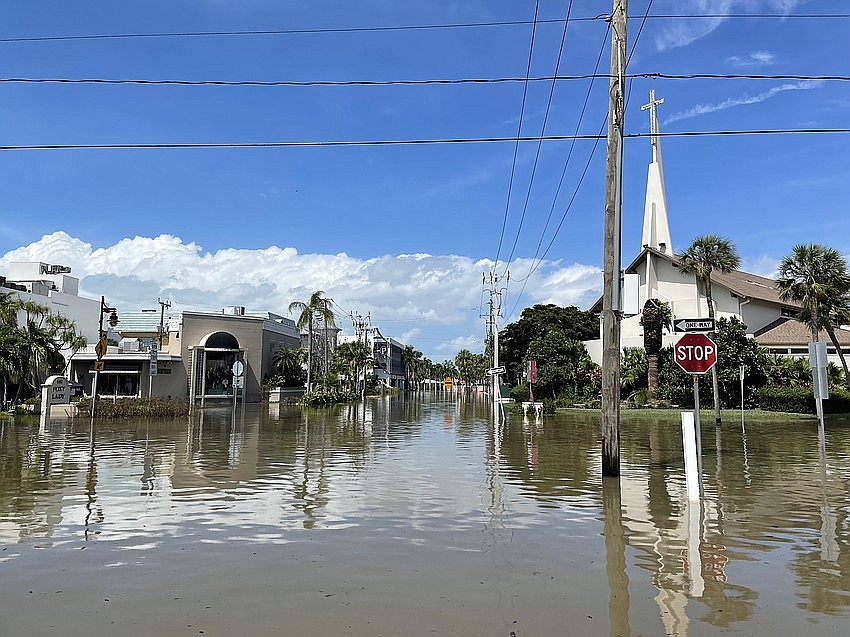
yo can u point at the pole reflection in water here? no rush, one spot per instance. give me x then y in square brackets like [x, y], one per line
[418, 516]
[615, 557]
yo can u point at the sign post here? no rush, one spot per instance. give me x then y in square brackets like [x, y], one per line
[238, 369]
[153, 371]
[696, 354]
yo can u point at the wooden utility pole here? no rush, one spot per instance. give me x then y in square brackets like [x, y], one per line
[611, 301]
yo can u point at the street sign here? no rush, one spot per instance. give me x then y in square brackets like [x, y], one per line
[695, 353]
[100, 348]
[496, 370]
[694, 325]
[99, 366]
[153, 365]
[238, 368]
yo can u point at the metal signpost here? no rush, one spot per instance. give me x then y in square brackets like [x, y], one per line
[153, 371]
[238, 369]
[696, 354]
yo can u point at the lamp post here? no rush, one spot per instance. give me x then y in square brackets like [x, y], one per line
[100, 348]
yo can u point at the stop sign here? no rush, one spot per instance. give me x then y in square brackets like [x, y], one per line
[695, 353]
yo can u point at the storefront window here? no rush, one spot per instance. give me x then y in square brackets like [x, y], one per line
[219, 372]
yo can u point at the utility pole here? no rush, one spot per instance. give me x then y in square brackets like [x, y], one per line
[162, 306]
[361, 327]
[612, 268]
[493, 324]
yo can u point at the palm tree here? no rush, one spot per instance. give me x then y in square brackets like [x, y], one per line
[353, 355]
[315, 308]
[706, 254]
[288, 363]
[817, 277]
[656, 318]
[411, 359]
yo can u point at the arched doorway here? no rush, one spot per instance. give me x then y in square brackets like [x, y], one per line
[212, 365]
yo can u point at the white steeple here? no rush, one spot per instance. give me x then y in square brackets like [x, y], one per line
[656, 230]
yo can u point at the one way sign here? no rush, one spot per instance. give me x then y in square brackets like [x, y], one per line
[693, 325]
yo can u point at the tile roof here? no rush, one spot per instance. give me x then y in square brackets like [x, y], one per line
[744, 284]
[787, 331]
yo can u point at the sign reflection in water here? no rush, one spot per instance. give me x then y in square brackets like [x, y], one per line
[413, 516]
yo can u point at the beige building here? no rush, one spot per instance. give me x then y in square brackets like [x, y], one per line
[196, 360]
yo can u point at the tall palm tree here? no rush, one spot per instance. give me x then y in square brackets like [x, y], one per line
[315, 308]
[817, 277]
[411, 359]
[709, 253]
[353, 355]
[656, 318]
[288, 363]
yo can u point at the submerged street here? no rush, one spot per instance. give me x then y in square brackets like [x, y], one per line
[419, 516]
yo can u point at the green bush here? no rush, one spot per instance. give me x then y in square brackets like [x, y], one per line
[520, 393]
[801, 400]
[134, 408]
[330, 397]
[795, 400]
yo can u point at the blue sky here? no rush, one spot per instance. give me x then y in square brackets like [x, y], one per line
[403, 231]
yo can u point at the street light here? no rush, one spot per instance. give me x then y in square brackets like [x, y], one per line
[100, 348]
[113, 316]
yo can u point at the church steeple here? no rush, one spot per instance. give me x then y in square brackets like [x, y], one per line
[656, 229]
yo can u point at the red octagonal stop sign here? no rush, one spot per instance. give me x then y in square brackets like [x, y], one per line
[695, 353]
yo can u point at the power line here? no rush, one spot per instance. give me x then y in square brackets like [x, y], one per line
[519, 133]
[407, 142]
[269, 32]
[424, 82]
[409, 27]
[540, 143]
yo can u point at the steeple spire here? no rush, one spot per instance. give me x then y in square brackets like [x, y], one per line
[656, 229]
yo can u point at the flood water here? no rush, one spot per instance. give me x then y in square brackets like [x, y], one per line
[419, 517]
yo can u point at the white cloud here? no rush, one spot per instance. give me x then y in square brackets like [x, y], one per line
[704, 109]
[764, 265]
[682, 32]
[756, 58]
[427, 298]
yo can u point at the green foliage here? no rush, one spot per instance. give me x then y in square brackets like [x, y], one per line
[471, 368]
[633, 370]
[329, 397]
[564, 367]
[520, 393]
[735, 349]
[134, 408]
[289, 365]
[535, 322]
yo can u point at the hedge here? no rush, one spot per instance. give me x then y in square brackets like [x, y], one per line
[801, 400]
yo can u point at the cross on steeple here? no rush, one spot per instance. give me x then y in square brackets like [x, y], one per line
[653, 122]
[656, 230]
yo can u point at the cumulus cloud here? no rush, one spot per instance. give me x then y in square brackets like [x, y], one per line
[682, 32]
[422, 298]
[703, 109]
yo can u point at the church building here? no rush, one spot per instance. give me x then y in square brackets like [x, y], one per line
[751, 298]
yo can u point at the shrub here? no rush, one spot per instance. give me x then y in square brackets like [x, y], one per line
[330, 397]
[520, 393]
[134, 408]
[801, 400]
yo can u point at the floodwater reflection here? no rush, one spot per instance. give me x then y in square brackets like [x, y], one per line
[418, 516]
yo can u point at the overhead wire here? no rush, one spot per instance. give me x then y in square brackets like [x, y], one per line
[408, 142]
[519, 133]
[423, 82]
[408, 27]
[539, 143]
[534, 266]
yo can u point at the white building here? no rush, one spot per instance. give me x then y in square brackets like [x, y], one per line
[751, 298]
[54, 287]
